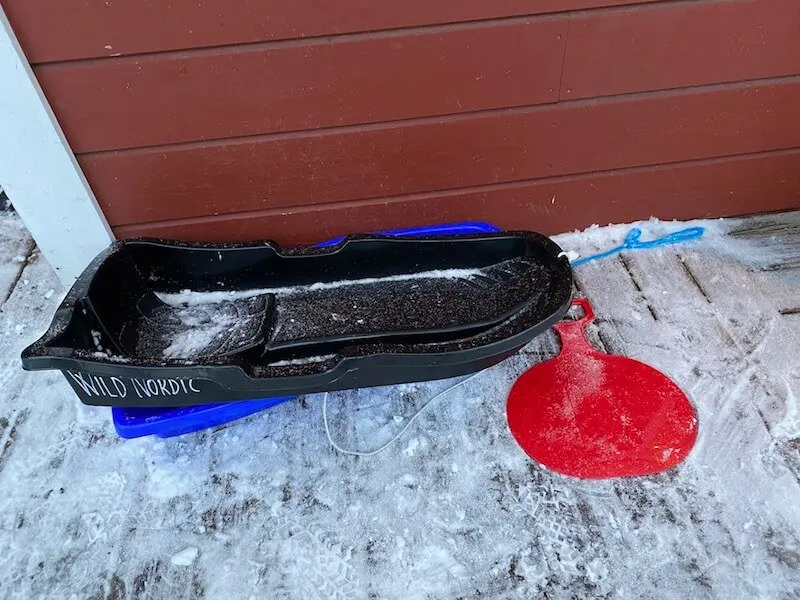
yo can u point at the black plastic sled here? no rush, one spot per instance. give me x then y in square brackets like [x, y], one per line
[156, 323]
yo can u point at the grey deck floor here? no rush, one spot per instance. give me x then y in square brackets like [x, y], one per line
[265, 508]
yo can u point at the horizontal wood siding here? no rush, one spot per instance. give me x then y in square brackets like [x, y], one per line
[252, 90]
[56, 30]
[710, 188]
[230, 119]
[679, 45]
[438, 154]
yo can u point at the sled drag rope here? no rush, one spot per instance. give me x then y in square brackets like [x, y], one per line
[396, 436]
[632, 243]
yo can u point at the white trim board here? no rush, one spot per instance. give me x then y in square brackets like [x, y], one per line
[38, 170]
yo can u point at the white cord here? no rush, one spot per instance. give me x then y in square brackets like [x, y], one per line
[399, 433]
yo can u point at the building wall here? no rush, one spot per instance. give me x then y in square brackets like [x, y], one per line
[298, 120]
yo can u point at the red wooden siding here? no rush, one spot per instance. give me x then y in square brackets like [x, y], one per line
[437, 154]
[236, 119]
[240, 91]
[678, 45]
[709, 188]
[246, 91]
[55, 30]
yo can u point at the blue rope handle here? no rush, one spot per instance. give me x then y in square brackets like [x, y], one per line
[632, 242]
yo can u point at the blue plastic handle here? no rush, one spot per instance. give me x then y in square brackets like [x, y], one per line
[684, 235]
[632, 242]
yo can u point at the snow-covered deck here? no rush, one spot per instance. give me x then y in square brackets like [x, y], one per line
[265, 508]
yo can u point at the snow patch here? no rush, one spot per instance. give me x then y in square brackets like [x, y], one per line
[193, 298]
[302, 361]
[186, 557]
[571, 255]
[197, 332]
[277, 513]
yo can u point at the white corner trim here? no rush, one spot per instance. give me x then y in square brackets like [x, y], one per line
[38, 170]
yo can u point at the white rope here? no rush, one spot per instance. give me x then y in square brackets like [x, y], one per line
[399, 433]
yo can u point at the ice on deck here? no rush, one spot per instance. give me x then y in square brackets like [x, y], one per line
[266, 508]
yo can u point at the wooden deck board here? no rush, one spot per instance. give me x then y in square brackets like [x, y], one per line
[454, 509]
[16, 246]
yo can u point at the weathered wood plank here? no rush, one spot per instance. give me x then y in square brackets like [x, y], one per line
[16, 246]
[454, 509]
